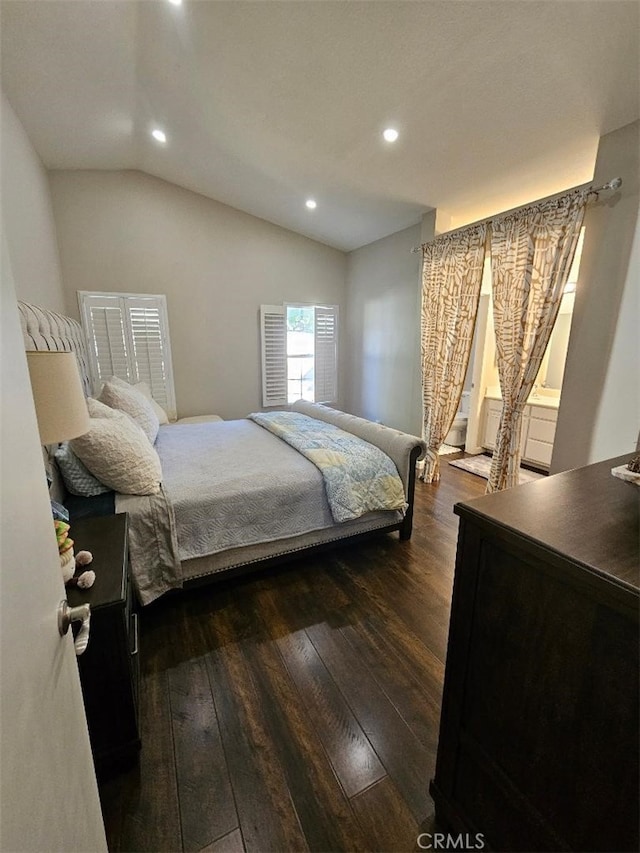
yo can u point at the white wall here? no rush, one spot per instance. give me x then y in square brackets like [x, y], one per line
[599, 413]
[27, 217]
[128, 231]
[383, 329]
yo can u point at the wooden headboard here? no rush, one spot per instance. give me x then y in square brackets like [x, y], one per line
[44, 330]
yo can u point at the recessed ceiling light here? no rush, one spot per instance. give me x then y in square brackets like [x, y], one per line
[159, 135]
[311, 204]
[176, 2]
[390, 134]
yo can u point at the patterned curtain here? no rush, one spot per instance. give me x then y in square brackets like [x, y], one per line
[531, 255]
[451, 280]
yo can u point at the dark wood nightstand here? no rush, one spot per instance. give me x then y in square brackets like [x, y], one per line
[109, 669]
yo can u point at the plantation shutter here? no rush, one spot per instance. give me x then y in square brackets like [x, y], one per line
[104, 327]
[273, 333]
[128, 336]
[326, 354]
[149, 340]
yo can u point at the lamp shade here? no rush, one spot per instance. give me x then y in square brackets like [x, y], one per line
[61, 408]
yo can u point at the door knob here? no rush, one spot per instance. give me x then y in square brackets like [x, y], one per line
[67, 615]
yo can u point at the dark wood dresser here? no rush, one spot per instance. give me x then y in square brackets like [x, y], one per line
[538, 741]
[109, 669]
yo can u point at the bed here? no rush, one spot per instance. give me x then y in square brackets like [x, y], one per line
[234, 496]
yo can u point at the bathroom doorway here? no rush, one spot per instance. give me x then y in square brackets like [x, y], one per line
[481, 395]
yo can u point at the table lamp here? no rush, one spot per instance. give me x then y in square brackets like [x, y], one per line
[60, 404]
[61, 410]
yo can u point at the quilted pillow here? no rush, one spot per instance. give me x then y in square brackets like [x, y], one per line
[117, 452]
[120, 395]
[101, 410]
[144, 389]
[77, 478]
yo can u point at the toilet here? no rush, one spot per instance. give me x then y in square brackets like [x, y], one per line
[457, 435]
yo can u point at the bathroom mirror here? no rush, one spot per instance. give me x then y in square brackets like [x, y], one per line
[552, 368]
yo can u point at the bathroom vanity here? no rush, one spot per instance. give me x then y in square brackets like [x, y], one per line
[538, 426]
[541, 411]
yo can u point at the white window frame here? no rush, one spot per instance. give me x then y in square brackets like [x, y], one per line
[92, 298]
[273, 340]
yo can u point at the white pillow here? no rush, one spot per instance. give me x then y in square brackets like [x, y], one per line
[117, 452]
[101, 410]
[120, 395]
[144, 389]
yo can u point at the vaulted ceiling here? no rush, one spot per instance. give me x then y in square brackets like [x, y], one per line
[266, 104]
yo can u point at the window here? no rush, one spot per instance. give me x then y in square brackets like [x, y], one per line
[299, 353]
[128, 336]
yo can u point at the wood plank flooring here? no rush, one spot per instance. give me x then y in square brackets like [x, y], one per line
[297, 709]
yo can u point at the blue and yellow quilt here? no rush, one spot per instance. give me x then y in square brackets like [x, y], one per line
[358, 476]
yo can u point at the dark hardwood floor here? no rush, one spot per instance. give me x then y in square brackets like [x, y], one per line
[297, 709]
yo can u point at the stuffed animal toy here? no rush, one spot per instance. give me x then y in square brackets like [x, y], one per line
[69, 560]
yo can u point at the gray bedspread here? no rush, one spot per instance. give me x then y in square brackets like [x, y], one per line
[232, 483]
[153, 547]
[228, 484]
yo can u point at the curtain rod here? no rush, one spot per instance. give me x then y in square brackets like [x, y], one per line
[613, 184]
